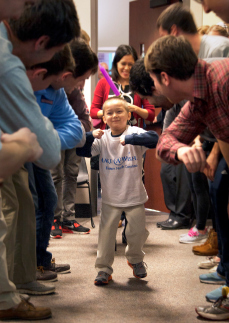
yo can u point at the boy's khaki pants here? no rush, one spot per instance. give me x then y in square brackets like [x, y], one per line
[136, 235]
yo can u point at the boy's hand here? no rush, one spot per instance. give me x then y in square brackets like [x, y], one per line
[122, 140]
[97, 133]
[26, 138]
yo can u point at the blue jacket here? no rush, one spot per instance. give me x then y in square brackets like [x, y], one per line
[55, 106]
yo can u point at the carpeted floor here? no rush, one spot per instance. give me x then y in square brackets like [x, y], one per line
[169, 293]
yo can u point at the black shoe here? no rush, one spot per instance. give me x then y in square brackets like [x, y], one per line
[164, 222]
[174, 225]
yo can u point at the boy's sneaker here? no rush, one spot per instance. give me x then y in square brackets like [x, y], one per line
[45, 275]
[56, 230]
[102, 278]
[139, 269]
[214, 295]
[35, 288]
[193, 236]
[57, 268]
[213, 269]
[217, 312]
[209, 262]
[73, 226]
[212, 278]
[25, 311]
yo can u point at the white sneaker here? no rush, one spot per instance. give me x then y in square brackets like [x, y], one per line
[213, 269]
[194, 236]
[208, 263]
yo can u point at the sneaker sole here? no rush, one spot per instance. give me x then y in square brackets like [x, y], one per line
[196, 241]
[56, 237]
[213, 317]
[213, 282]
[210, 299]
[48, 280]
[63, 272]
[33, 292]
[67, 230]
[207, 266]
[143, 276]
[101, 283]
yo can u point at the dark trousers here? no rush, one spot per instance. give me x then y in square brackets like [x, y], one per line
[219, 195]
[177, 193]
[199, 187]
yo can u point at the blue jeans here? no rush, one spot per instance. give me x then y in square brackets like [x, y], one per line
[219, 195]
[47, 202]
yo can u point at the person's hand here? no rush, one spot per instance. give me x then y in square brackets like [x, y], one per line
[197, 142]
[193, 157]
[212, 164]
[122, 140]
[27, 139]
[98, 133]
[132, 107]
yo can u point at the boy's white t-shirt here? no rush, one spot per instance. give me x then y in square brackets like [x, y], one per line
[120, 169]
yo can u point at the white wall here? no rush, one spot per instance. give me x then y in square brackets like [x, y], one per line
[201, 17]
[113, 23]
[84, 12]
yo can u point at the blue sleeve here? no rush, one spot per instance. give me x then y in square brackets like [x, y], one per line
[148, 139]
[85, 151]
[66, 122]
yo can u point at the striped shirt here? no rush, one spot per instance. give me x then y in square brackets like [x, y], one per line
[210, 108]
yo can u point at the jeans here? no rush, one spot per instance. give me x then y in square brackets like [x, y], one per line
[219, 195]
[47, 201]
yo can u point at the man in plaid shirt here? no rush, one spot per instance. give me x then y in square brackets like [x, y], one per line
[207, 88]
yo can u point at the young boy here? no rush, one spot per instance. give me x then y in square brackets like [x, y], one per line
[120, 163]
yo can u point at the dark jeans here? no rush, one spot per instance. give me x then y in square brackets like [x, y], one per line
[47, 202]
[199, 187]
[219, 195]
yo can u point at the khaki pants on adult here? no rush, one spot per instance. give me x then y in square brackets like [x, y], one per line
[65, 181]
[8, 295]
[20, 240]
[136, 235]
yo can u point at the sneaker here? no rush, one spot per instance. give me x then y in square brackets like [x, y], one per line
[45, 275]
[102, 278]
[217, 312]
[56, 230]
[209, 248]
[214, 295]
[209, 262]
[212, 278]
[35, 288]
[57, 268]
[139, 269]
[25, 311]
[193, 236]
[213, 269]
[74, 227]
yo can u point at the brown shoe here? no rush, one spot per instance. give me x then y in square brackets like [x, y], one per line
[25, 311]
[209, 248]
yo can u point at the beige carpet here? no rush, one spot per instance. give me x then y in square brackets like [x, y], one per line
[169, 293]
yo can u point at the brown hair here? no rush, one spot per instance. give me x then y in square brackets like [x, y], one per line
[219, 29]
[177, 14]
[203, 30]
[116, 98]
[61, 61]
[84, 57]
[84, 35]
[173, 55]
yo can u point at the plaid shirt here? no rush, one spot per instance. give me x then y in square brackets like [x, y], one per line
[209, 109]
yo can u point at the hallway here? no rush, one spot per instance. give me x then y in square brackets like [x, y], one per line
[169, 293]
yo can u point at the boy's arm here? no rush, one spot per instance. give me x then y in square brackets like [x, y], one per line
[148, 139]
